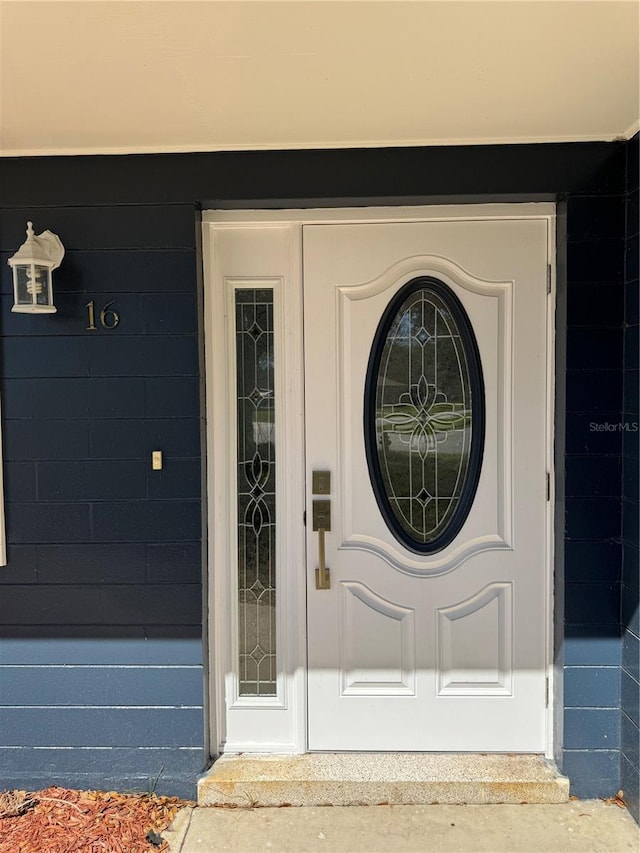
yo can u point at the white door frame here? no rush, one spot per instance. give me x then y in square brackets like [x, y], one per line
[278, 724]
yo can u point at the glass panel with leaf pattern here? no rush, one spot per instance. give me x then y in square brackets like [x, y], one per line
[424, 415]
[256, 471]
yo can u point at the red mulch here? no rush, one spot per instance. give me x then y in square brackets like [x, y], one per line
[60, 820]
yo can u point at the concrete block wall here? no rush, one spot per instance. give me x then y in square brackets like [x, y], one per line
[101, 679]
[593, 469]
[101, 664]
[630, 591]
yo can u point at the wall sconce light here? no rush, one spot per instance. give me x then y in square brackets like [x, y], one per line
[32, 266]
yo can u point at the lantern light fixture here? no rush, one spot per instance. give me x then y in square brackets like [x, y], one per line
[32, 266]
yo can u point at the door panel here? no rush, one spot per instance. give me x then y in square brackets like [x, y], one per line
[439, 651]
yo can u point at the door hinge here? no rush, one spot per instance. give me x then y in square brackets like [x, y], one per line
[548, 486]
[304, 518]
[546, 692]
[548, 278]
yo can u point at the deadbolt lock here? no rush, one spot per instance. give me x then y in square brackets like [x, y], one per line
[321, 482]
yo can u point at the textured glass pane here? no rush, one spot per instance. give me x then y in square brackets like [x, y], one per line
[32, 284]
[422, 423]
[256, 492]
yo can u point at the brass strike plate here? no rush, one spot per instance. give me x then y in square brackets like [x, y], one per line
[321, 515]
[321, 483]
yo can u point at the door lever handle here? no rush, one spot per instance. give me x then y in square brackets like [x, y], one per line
[322, 523]
[323, 575]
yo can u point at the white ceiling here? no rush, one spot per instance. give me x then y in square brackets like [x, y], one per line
[110, 77]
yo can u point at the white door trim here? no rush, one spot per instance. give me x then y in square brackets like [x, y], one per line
[284, 716]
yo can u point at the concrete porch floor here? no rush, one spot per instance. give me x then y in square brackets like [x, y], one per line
[588, 826]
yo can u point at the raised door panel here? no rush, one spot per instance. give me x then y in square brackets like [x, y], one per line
[377, 644]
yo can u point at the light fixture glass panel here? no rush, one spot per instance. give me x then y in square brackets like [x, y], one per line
[33, 285]
[24, 279]
[41, 284]
[256, 492]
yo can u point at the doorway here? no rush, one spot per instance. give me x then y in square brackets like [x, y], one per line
[404, 358]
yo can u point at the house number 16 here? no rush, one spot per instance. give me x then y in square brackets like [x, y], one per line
[108, 318]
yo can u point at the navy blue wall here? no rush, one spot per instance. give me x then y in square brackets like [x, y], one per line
[101, 602]
[601, 649]
[630, 675]
[101, 665]
[593, 442]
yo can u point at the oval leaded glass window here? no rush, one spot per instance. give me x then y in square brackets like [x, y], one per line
[424, 415]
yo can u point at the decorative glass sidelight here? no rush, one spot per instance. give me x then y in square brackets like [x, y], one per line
[424, 415]
[256, 491]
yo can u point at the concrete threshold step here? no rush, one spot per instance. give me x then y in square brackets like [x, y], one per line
[348, 778]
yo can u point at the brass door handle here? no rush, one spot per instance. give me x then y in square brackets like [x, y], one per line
[322, 523]
[323, 576]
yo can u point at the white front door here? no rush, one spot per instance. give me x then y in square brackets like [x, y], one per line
[427, 402]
